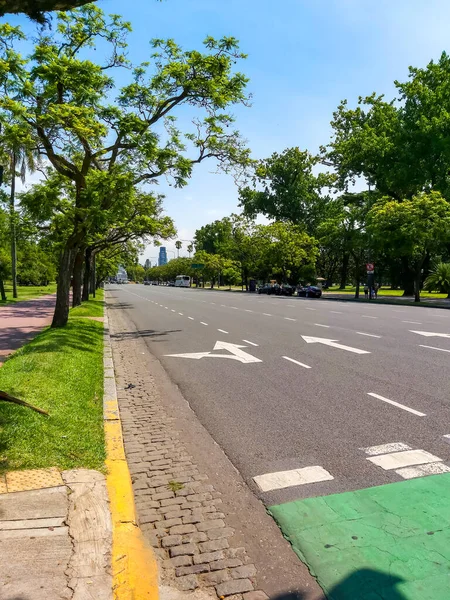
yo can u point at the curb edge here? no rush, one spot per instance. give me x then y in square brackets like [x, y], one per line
[134, 566]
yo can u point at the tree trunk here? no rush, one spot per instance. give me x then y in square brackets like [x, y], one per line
[417, 281]
[87, 274]
[344, 270]
[94, 275]
[61, 314]
[13, 225]
[357, 275]
[77, 279]
[407, 278]
[2, 290]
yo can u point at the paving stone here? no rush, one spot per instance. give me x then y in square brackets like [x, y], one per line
[185, 549]
[194, 569]
[199, 497]
[178, 514]
[216, 577]
[178, 561]
[187, 583]
[198, 536]
[214, 524]
[149, 518]
[215, 534]
[234, 586]
[163, 495]
[208, 557]
[256, 595]
[171, 501]
[182, 529]
[167, 523]
[246, 571]
[172, 540]
[214, 545]
[225, 563]
[192, 519]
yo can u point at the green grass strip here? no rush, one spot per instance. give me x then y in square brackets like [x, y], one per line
[61, 371]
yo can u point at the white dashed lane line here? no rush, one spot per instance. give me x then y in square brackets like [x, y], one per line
[181, 314]
[434, 348]
[308, 308]
[222, 331]
[405, 461]
[203, 323]
[285, 479]
[320, 325]
[296, 362]
[397, 404]
[191, 318]
[289, 319]
[368, 334]
[336, 312]
[267, 314]
[413, 322]
[249, 342]
[368, 317]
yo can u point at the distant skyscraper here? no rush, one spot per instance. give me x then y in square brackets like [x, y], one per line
[162, 260]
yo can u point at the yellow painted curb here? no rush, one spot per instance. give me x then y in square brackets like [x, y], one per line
[134, 567]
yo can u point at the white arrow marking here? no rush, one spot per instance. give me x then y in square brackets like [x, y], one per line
[234, 349]
[430, 334]
[316, 340]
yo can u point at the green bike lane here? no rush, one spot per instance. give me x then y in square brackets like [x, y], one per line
[390, 542]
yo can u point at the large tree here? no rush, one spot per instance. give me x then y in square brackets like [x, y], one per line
[36, 8]
[96, 144]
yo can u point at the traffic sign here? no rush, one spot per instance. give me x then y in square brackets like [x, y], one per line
[197, 266]
[370, 267]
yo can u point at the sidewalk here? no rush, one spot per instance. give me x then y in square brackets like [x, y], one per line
[405, 300]
[21, 322]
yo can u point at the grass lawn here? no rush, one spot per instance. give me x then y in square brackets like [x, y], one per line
[384, 291]
[26, 292]
[92, 308]
[61, 371]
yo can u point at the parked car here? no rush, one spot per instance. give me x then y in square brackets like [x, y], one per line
[267, 288]
[309, 291]
[171, 283]
[146, 282]
[287, 290]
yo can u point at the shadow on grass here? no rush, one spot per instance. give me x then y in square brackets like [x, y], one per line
[72, 336]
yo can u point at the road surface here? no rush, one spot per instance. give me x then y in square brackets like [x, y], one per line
[308, 398]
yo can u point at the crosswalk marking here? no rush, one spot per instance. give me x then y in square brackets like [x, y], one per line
[406, 458]
[385, 448]
[435, 468]
[285, 479]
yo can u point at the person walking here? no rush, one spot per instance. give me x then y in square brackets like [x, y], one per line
[366, 291]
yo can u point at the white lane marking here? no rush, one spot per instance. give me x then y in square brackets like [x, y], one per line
[320, 325]
[166, 307]
[172, 310]
[223, 305]
[429, 469]
[398, 311]
[413, 322]
[307, 308]
[285, 479]
[434, 348]
[203, 323]
[336, 312]
[386, 448]
[291, 305]
[191, 318]
[447, 437]
[181, 314]
[296, 362]
[368, 334]
[289, 319]
[397, 404]
[248, 310]
[234, 349]
[222, 331]
[234, 307]
[249, 342]
[368, 317]
[212, 302]
[316, 340]
[267, 314]
[396, 460]
[430, 334]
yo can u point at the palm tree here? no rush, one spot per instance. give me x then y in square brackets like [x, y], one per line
[178, 246]
[439, 279]
[190, 249]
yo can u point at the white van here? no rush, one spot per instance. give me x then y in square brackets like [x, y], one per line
[183, 281]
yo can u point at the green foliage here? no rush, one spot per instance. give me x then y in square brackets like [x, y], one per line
[439, 279]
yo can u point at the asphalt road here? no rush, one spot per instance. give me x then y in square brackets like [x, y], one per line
[273, 414]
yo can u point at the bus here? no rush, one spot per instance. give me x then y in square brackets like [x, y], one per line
[183, 281]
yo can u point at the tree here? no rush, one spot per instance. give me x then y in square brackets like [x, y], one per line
[284, 187]
[412, 228]
[439, 279]
[36, 8]
[5, 257]
[64, 100]
[178, 246]
[190, 249]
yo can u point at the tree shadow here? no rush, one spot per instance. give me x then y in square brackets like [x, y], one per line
[363, 584]
[143, 333]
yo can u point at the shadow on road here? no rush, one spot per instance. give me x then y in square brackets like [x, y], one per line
[364, 584]
[143, 333]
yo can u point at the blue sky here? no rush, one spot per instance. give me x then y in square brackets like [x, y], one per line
[304, 56]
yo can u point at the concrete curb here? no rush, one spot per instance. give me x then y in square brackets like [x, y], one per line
[134, 567]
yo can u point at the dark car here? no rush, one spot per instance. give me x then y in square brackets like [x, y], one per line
[146, 282]
[267, 288]
[171, 283]
[287, 290]
[309, 291]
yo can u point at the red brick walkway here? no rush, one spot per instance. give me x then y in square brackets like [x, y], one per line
[21, 322]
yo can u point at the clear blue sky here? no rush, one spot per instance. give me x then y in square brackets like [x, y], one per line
[304, 57]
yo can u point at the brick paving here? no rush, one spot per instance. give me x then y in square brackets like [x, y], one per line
[178, 509]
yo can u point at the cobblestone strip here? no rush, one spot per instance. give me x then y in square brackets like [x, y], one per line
[179, 511]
